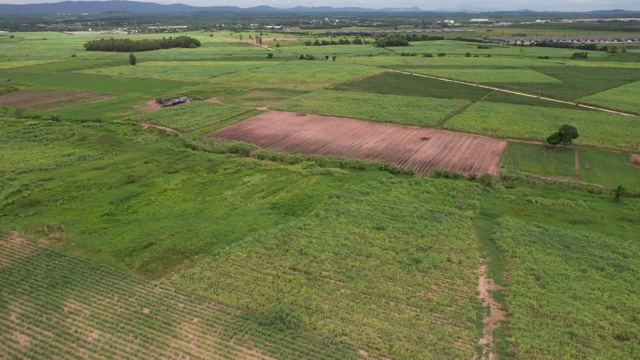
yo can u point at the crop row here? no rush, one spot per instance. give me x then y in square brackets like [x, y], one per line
[124, 317]
[423, 150]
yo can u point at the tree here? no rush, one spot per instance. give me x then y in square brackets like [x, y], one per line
[132, 59]
[564, 136]
[333, 58]
[270, 56]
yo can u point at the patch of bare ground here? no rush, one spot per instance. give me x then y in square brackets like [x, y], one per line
[214, 100]
[52, 99]
[495, 315]
[17, 246]
[408, 147]
[151, 105]
[145, 126]
[635, 160]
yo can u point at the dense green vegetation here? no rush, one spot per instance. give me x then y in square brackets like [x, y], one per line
[197, 116]
[571, 294]
[128, 45]
[261, 253]
[405, 110]
[537, 123]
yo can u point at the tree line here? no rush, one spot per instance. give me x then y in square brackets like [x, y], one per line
[129, 45]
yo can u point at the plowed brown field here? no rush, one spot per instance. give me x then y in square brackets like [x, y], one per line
[52, 99]
[423, 150]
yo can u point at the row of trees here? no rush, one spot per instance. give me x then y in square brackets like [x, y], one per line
[129, 45]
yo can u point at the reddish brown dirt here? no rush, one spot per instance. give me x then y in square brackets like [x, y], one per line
[409, 147]
[492, 321]
[51, 99]
[149, 106]
[635, 160]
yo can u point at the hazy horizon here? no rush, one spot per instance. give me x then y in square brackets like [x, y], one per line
[456, 5]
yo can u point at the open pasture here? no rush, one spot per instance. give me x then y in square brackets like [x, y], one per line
[403, 110]
[400, 83]
[422, 150]
[623, 98]
[388, 267]
[178, 70]
[196, 116]
[297, 75]
[51, 100]
[609, 168]
[490, 75]
[59, 306]
[537, 123]
[571, 294]
[540, 159]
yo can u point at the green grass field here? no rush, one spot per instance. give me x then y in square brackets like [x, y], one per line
[571, 294]
[490, 75]
[141, 200]
[179, 70]
[384, 272]
[539, 159]
[537, 123]
[197, 117]
[623, 98]
[297, 75]
[405, 110]
[610, 169]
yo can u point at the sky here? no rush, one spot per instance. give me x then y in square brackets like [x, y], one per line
[458, 5]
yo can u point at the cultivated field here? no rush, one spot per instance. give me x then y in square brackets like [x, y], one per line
[58, 306]
[422, 150]
[51, 100]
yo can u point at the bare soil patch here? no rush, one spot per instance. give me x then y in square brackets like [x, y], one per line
[214, 100]
[52, 99]
[495, 316]
[11, 246]
[409, 147]
[151, 105]
[635, 160]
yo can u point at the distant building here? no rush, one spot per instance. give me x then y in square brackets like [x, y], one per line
[480, 21]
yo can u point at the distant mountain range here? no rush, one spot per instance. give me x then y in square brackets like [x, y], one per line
[98, 7]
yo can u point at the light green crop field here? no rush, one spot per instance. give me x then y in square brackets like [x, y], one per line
[197, 116]
[125, 317]
[338, 50]
[384, 272]
[539, 159]
[405, 110]
[453, 61]
[537, 123]
[490, 76]
[610, 169]
[179, 70]
[572, 294]
[297, 75]
[623, 98]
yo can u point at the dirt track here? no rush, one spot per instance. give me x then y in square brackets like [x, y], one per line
[423, 150]
[517, 93]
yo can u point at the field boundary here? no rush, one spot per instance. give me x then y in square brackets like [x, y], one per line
[591, 107]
